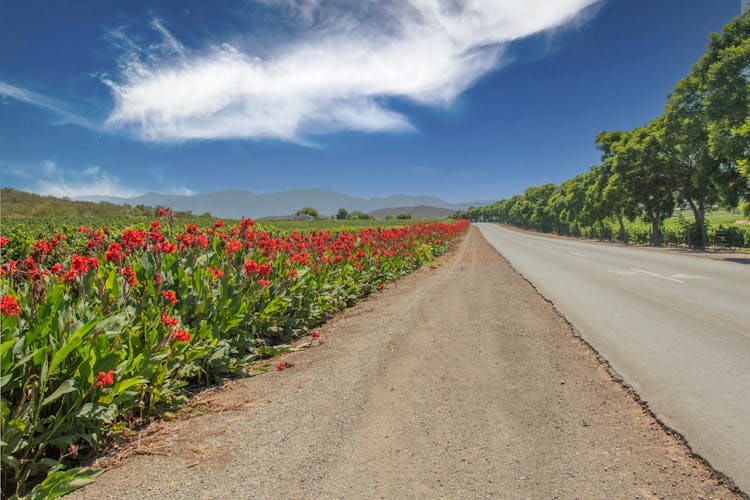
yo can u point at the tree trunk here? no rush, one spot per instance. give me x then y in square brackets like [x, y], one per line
[601, 230]
[699, 212]
[623, 232]
[655, 232]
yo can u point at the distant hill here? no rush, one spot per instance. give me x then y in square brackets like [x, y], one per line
[418, 212]
[237, 204]
[15, 204]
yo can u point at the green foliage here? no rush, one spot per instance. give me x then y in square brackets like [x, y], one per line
[313, 212]
[342, 214]
[403, 215]
[357, 215]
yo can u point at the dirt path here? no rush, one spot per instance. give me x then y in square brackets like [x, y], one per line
[458, 381]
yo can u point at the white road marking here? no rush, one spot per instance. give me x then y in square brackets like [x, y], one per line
[579, 255]
[656, 275]
[691, 277]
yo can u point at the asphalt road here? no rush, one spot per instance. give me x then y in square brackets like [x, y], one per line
[675, 327]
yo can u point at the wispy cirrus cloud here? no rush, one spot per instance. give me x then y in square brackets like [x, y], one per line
[48, 178]
[347, 64]
[42, 101]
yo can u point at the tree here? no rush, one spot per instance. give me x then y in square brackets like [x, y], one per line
[725, 76]
[308, 211]
[707, 125]
[357, 215]
[342, 214]
[646, 176]
[403, 215]
[613, 192]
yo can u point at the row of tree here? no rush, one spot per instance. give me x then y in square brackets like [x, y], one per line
[695, 154]
[344, 214]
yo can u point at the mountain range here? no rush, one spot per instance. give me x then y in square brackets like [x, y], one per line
[236, 204]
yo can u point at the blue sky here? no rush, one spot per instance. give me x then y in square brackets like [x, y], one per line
[462, 99]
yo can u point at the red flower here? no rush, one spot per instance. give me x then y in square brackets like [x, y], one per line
[129, 274]
[169, 296]
[158, 280]
[264, 283]
[234, 246]
[315, 335]
[247, 223]
[105, 378]
[215, 272]
[219, 223]
[265, 269]
[381, 286]
[251, 267]
[281, 366]
[168, 320]
[181, 336]
[9, 306]
[167, 247]
[3, 241]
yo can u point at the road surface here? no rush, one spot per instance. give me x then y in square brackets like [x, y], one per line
[677, 328]
[458, 381]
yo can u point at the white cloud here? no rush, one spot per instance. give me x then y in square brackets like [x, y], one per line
[340, 73]
[39, 100]
[48, 178]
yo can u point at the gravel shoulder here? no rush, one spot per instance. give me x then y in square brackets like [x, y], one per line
[459, 380]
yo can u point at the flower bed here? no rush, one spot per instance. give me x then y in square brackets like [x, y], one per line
[96, 336]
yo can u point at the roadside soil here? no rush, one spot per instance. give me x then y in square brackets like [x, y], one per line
[458, 381]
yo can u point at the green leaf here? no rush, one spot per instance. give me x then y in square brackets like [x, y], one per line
[120, 387]
[62, 482]
[64, 388]
[73, 342]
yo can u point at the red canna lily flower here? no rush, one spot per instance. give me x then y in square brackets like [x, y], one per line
[105, 378]
[169, 296]
[181, 336]
[9, 306]
[129, 274]
[168, 320]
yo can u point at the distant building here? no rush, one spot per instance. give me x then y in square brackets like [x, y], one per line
[743, 5]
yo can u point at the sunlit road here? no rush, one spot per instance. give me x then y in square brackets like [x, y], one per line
[677, 328]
